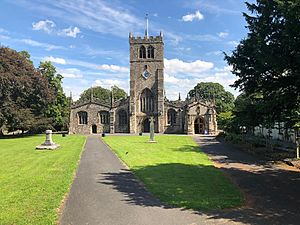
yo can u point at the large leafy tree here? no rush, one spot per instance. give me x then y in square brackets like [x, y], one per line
[247, 112]
[58, 110]
[24, 92]
[267, 61]
[118, 93]
[210, 91]
[103, 95]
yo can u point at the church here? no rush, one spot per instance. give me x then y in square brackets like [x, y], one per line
[147, 99]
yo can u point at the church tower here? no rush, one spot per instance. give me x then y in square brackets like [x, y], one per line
[146, 82]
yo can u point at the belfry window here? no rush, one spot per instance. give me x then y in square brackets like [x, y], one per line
[146, 101]
[151, 52]
[143, 52]
[171, 116]
[82, 117]
[104, 117]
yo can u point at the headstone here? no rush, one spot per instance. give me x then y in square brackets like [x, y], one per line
[151, 129]
[48, 144]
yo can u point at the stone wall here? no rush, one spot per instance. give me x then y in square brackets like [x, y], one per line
[93, 118]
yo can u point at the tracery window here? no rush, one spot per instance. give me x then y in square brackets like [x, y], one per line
[143, 52]
[171, 116]
[82, 117]
[104, 117]
[146, 101]
[151, 52]
[122, 117]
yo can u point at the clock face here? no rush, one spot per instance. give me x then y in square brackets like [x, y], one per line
[146, 74]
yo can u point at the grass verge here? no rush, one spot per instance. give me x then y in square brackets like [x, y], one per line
[33, 182]
[176, 171]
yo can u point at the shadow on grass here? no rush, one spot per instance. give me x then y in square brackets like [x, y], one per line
[274, 192]
[187, 186]
[18, 136]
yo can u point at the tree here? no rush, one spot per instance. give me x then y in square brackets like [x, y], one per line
[58, 110]
[210, 91]
[267, 61]
[103, 95]
[118, 93]
[225, 120]
[24, 93]
[247, 112]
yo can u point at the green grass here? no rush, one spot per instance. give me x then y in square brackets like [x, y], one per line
[33, 182]
[176, 171]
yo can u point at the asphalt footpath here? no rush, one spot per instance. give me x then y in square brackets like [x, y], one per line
[105, 192]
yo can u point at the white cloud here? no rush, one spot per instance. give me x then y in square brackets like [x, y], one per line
[214, 53]
[34, 43]
[171, 79]
[45, 25]
[97, 15]
[3, 31]
[70, 32]
[105, 67]
[4, 37]
[190, 17]
[49, 26]
[233, 43]
[178, 76]
[178, 66]
[70, 73]
[76, 90]
[223, 34]
[172, 38]
[27, 41]
[108, 83]
[201, 37]
[55, 60]
[113, 68]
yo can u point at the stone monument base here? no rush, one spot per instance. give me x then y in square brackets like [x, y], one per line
[48, 144]
[47, 147]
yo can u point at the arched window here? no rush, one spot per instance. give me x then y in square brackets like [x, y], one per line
[104, 117]
[143, 52]
[146, 101]
[122, 117]
[82, 117]
[171, 116]
[151, 52]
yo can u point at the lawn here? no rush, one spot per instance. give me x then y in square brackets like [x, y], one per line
[33, 182]
[176, 171]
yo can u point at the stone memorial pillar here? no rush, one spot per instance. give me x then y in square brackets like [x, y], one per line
[48, 144]
[152, 129]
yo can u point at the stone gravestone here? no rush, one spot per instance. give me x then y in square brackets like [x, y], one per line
[152, 130]
[48, 144]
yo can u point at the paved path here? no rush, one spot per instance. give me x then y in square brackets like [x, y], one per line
[273, 191]
[104, 192]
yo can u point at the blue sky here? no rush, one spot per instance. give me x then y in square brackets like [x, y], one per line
[87, 40]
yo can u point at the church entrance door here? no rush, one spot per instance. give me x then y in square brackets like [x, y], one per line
[146, 126]
[199, 126]
[94, 129]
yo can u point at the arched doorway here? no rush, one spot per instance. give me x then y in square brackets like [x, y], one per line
[199, 126]
[94, 129]
[146, 126]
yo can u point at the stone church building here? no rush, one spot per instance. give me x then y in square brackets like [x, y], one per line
[147, 99]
